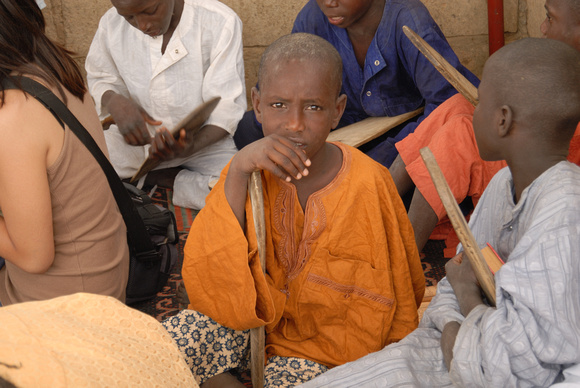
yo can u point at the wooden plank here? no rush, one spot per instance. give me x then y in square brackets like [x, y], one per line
[368, 129]
[450, 73]
[192, 124]
[257, 335]
[470, 246]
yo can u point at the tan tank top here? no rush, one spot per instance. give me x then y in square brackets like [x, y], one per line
[91, 252]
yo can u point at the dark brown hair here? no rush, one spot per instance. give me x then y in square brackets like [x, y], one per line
[25, 49]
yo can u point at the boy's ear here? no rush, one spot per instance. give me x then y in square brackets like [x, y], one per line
[256, 104]
[340, 106]
[505, 120]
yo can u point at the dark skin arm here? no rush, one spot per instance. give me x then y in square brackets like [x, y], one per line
[400, 176]
[422, 216]
[460, 275]
[129, 117]
[423, 219]
[272, 153]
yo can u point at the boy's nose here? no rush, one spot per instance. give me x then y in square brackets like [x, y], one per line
[544, 27]
[329, 3]
[142, 24]
[295, 121]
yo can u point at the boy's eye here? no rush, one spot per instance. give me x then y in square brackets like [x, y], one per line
[278, 105]
[548, 17]
[150, 11]
[314, 107]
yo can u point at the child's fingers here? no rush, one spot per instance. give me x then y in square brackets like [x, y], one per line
[290, 164]
[277, 171]
[290, 159]
[150, 120]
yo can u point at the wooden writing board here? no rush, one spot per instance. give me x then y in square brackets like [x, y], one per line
[192, 123]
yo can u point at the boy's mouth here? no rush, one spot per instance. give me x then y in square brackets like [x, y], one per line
[298, 144]
[335, 20]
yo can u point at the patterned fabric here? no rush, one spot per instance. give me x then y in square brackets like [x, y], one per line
[87, 340]
[533, 333]
[290, 371]
[210, 349]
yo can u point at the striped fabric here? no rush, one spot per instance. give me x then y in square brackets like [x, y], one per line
[533, 334]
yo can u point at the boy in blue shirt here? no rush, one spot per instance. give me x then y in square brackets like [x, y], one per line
[383, 73]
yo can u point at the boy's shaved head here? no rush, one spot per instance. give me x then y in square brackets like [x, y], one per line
[304, 48]
[540, 80]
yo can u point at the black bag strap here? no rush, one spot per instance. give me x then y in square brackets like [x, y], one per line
[137, 233]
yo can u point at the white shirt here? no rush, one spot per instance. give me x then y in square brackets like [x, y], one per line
[203, 59]
[533, 333]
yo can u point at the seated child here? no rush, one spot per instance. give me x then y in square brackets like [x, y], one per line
[343, 274]
[153, 62]
[448, 132]
[529, 214]
[384, 74]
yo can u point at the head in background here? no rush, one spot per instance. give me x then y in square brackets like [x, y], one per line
[529, 99]
[300, 78]
[562, 21]
[151, 17]
[25, 49]
[352, 13]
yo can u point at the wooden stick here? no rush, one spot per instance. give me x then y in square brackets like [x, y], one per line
[257, 336]
[368, 129]
[450, 73]
[470, 246]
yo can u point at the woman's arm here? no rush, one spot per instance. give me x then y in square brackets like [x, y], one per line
[30, 139]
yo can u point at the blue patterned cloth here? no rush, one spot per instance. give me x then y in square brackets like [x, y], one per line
[210, 349]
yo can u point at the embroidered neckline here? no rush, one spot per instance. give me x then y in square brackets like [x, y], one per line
[294, 258]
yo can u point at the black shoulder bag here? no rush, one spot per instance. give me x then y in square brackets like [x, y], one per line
[151, 229]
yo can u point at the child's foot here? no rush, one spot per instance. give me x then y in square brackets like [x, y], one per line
[181, 296]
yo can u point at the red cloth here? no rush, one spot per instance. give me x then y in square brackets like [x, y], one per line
[448, 132]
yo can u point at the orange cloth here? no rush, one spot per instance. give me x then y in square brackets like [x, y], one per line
[448, 132]
[343, 279]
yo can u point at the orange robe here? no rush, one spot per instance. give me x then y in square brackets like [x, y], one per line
[448, 132]
[343, 278]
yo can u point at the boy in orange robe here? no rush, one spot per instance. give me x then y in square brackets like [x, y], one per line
[343, 273]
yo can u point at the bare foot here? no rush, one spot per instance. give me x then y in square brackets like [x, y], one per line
[164, 177]
[181, 296]
[223, 380]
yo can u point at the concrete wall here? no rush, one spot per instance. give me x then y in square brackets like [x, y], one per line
[464, 23]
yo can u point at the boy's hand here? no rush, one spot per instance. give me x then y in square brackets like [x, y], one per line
[131, 119]
[459, 271]
[164, 146]
[460, 275]
[273, 153]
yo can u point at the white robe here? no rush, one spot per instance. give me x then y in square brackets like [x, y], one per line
[203, 59]
[534, 332]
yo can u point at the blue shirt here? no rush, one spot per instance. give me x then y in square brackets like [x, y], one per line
[396, 77]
